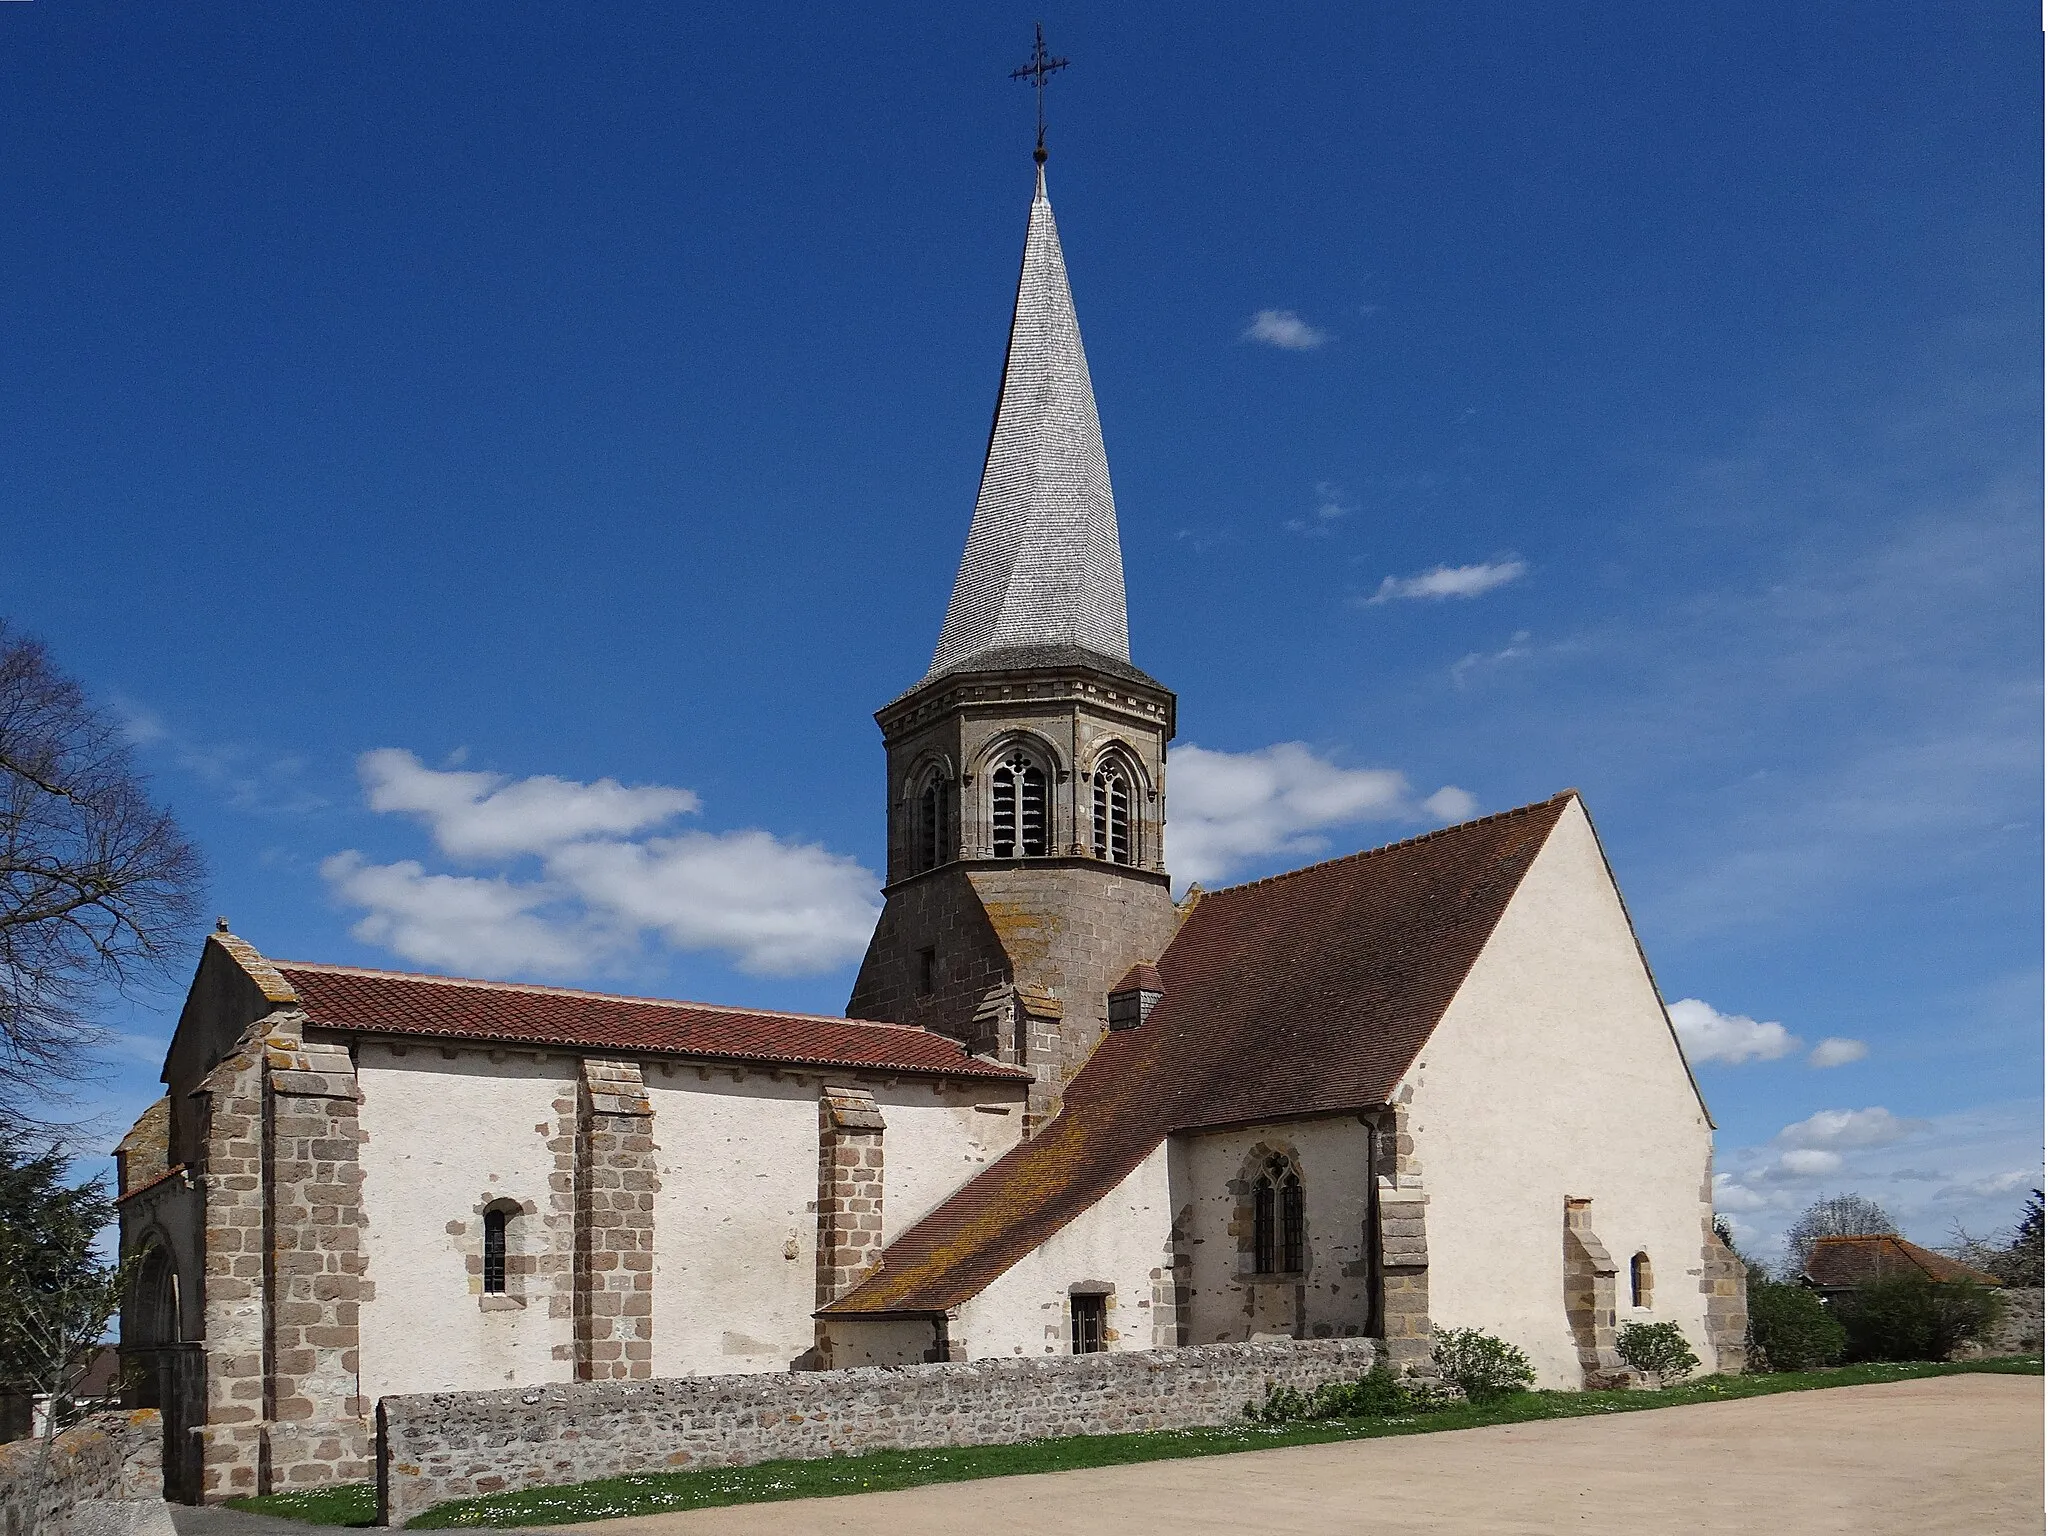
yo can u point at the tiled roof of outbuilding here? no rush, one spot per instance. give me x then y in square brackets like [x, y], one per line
[439, 1007]
[1847, 1261]
[1307, 993]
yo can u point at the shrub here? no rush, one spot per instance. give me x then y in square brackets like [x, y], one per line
[1790, 1328]
[1657, 1349]
[1378, 1394]
[1909, 1317]
[1481, 1366]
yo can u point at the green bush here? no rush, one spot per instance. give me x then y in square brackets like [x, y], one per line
[1481, 1366]
[1909, 1317]
[1378, 1394]
[1790, 1328]
[1657, 1349]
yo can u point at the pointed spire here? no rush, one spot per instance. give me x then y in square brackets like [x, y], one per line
[1043, 566]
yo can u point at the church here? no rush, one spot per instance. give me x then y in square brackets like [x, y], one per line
[1427, 1085]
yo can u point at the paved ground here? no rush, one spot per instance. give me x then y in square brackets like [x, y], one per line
[1951, 1454]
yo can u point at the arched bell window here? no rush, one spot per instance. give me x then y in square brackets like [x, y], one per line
[1017, 808]
[1113, 840]
[1278, 1221]
[929, 824]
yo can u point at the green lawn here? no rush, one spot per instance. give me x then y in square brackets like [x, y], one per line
[654, 1492]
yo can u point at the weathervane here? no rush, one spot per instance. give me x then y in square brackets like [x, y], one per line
[1041, 68]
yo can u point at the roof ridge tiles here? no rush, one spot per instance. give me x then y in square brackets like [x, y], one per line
[481, 983]
[1406, 842]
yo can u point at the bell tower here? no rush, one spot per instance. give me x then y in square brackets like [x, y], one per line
[1027, 769]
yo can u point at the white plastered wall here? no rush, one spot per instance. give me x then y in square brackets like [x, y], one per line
[735, 1223]
[444, 1138]
[1331, 1298]
[1554, 1074]
[939, 1137]
[1121, 1241]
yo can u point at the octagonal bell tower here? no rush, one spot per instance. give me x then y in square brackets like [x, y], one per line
[1027, 770]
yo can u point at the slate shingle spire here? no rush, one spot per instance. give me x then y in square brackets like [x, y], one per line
[1043, 567]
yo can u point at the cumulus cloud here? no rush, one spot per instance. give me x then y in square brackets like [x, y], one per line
[606, 885]
[1450, 581]
[1285, 329]
[1230, 808]
[1873, 1127]
[488, 815]
[1711, 1035]
[1804, 1163]
[1837, 1051]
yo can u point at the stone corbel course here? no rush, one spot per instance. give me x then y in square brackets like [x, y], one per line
[434, 1447]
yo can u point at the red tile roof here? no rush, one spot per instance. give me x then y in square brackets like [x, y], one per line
[1847, 1261]
[1140, 978]
[1307, 993]
[395, 1003]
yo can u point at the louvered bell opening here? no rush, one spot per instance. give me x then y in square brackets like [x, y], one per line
[1129, 1009]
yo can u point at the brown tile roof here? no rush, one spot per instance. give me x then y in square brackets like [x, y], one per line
[439, 1007]
[1306, 993]
[1847, 1261]
[1140, 978]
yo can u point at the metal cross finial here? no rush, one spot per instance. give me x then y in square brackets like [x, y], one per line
[1041, 68]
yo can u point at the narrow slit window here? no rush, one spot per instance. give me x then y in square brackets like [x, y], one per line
[931, 828]
[927, 972]
[1639, 1280]
[1090, 1316]
[495, 1221]
[1293, 1237]
[1264, 1227]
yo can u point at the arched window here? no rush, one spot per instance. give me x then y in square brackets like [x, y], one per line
[1113, 814]
[495, 1222]
[156, 1299]
[928, 826]
[1640, 1280]
[1279, 1222]
[1018, 808]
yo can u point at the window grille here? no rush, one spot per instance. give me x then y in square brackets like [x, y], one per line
[1018, 808]
[494, 1251]
[1090, 1315]
[1112, 814]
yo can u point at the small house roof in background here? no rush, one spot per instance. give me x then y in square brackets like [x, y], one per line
[1839, 1262]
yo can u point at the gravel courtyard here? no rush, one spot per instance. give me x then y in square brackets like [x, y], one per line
[1955, 1453]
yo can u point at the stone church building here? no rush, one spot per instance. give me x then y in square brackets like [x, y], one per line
[1429, 1084]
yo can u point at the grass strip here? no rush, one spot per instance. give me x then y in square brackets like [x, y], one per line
[874, 1471]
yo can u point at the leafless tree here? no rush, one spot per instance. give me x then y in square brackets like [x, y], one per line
[98, 886]
[1836, 1216]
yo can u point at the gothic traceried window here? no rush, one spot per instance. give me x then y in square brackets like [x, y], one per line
[1279, 1226]
[1113, 814]
[1017, 808]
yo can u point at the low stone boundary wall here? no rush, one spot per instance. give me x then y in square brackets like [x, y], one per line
[433, 1447]
[2019, 1329]
[108, 1456]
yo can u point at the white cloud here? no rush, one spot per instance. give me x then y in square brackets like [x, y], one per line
[776, 907]
[2008, 1183]
[479, 927]
[1710, 1035]
[1837, 1051]
[1873, 1127]
[1285, 329]
[1233, 807]
[487, 815]
[1330, 511]
[1450, 581]
[773, 907]
[1807, 1163]
[1516, 648]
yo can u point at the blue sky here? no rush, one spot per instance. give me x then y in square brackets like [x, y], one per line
[537, 396]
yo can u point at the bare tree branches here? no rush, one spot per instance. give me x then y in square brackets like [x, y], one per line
[96, 883]
[1838, 1216]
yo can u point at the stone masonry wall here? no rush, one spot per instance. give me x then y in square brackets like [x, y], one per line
[108, 1456]
[316, 1423]
[440, 1446]
[1403, 1247]
[616, 1181]
[850, 1189]
[2019, 1330]
[1724, 1280]
[231, 1130]
[1589, 1304]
